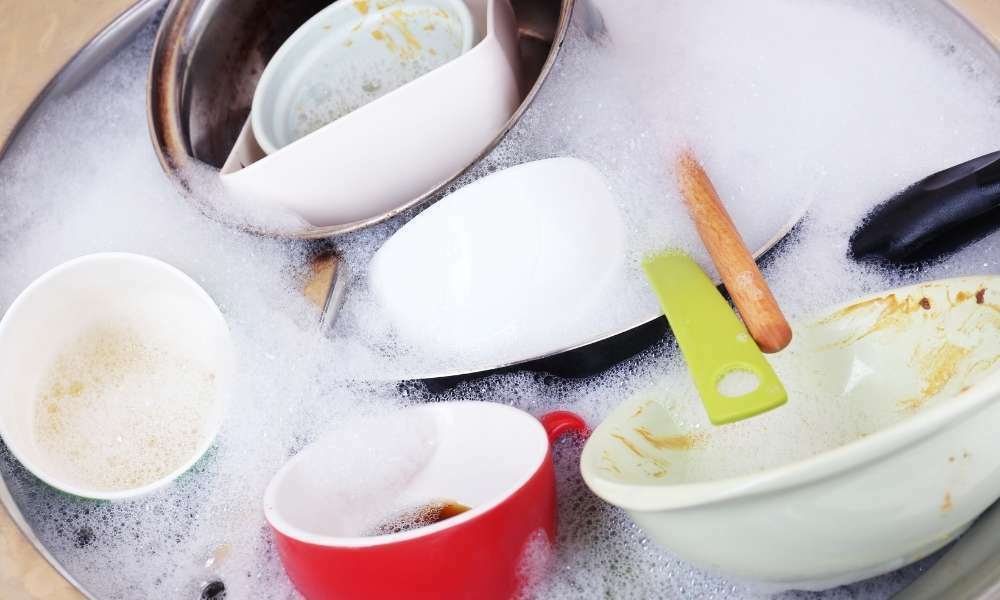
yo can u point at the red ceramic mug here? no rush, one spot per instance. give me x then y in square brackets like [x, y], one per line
[490, 457]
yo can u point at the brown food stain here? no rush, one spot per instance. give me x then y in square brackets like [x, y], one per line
[892, 313]
[940, 366]
[628, 445]
[946, 503]
[937, 367]
[925, 303]
[981, 296]
[660, 464]
[672, 442]
[609, 463]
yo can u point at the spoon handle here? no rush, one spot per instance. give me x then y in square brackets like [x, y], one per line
[739, 272]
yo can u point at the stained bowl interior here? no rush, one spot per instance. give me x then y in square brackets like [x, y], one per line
[882, 364]
[348, 55]
[155, 299]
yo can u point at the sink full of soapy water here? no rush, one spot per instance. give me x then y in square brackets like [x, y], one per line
[857, 125]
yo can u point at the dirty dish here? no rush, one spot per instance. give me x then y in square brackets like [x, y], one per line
[114, 370]
[423, 133]
[506, 267]
[733, 378]
[349, 54]
[492, 459]
[912, 377]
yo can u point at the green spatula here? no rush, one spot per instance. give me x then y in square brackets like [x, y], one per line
[715, 343]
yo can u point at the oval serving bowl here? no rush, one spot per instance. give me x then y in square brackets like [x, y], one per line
[909, 382]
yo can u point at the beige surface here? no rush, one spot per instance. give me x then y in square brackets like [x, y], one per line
[36, 38]
[986, 13]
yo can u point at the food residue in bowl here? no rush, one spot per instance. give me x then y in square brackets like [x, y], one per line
[115, 411]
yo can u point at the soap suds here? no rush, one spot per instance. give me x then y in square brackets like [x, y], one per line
[827, 104]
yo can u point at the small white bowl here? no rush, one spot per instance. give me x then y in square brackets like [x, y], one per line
[159, 302]
[388, 153]
[912, 376]
[348, 55]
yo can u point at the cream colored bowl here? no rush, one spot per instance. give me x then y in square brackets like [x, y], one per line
[908, 382]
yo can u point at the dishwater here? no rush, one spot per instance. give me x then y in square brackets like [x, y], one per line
[417, 517]
[835, 105]
[115, 411]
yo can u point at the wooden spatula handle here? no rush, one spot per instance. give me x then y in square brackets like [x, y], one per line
[742, 278]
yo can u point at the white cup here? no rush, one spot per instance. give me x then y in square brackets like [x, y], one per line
[163, 306]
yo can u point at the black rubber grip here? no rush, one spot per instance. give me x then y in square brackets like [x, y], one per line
[935, 217]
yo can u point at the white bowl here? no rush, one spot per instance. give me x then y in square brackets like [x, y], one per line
[391, 151]
[509, 266]
[160, 303]
[917, 389]
[347, 55]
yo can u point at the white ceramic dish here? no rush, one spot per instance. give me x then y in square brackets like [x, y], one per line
[398, 147]
[920, 387]
[348, 55]
[156, 299]
[506, 267]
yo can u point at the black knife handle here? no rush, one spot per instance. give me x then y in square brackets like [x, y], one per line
[934, 217]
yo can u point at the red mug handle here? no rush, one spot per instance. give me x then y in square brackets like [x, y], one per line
[562, 422]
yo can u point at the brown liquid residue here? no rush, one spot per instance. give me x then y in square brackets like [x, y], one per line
[981, 296]
[925, 303]
[672, 442]
[946, 503]
[422, 516]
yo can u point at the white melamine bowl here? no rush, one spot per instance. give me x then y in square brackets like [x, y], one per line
[916, 383]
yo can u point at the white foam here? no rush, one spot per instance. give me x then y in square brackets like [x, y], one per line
[832, 104]
[116, 412]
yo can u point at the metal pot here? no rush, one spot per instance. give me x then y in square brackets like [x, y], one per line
[210, 53]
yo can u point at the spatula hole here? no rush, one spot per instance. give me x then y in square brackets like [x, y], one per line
[737, 383]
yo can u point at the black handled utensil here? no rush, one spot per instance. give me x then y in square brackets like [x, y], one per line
[934, 217]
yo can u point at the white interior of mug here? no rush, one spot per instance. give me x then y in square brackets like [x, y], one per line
[158, 301]
[474, 453]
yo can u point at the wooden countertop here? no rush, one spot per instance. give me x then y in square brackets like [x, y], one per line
[37, 37]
